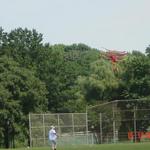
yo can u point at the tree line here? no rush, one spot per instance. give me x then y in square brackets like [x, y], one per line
[37, 77]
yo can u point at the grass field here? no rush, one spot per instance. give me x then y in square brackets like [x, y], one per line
[138, 146]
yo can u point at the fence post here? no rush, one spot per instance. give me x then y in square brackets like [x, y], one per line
[135, 124]
[73, 123]
[101, 129]
[44, 129]
[87, 127]
[30, 136]
[58, 124]
[114, 124]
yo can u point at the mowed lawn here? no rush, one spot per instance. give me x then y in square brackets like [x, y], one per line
[137, 146]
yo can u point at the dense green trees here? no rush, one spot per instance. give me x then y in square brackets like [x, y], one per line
[39, 77]
[136, 78]
[21, 92]
[100, 83]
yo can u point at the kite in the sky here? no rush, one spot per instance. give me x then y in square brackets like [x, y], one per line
[114, 56]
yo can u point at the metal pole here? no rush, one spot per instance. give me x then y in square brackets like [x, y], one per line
[114, 125]
[87, 128]
[116, 101]
[44, 129]
[135, 124]
[58, 124]
[101, 130]
[30, 136]
[73, 124]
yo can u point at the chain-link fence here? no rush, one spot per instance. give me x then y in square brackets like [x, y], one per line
[120, 121]
[71, 128]
[111, 122]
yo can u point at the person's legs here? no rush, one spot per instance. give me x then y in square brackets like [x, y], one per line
[53, 145]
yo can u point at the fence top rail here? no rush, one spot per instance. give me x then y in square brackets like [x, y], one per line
[116, 101]
[57, 113]
[129, 110]
[66, 126]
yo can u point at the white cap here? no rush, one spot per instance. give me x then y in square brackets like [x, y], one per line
[52, 127]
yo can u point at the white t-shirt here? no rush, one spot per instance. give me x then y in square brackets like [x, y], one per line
[52, 134]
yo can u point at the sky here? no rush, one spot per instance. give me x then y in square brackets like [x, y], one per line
[113, 24]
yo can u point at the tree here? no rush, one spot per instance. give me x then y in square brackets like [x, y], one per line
[100, 83]
[20, 93]
[148, 50]
[22, 45]
[135, 84]
[136, 79]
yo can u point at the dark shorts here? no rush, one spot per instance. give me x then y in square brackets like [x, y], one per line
[53, 142]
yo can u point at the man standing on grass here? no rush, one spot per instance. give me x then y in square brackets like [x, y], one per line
[52, 137]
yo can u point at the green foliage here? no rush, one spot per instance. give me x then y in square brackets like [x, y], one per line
[38, 77]
[22, 45]
[20, 93]
[136, 79]
[148, 51]
[100, 83]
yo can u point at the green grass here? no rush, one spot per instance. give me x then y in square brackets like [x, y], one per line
[138, 146]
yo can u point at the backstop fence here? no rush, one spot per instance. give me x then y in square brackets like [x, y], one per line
[71, 128]
[111, 122]
[120, 121]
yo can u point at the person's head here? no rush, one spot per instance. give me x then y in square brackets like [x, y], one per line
[52, 127]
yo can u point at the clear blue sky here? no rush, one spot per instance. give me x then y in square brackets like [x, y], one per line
[114, 24]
